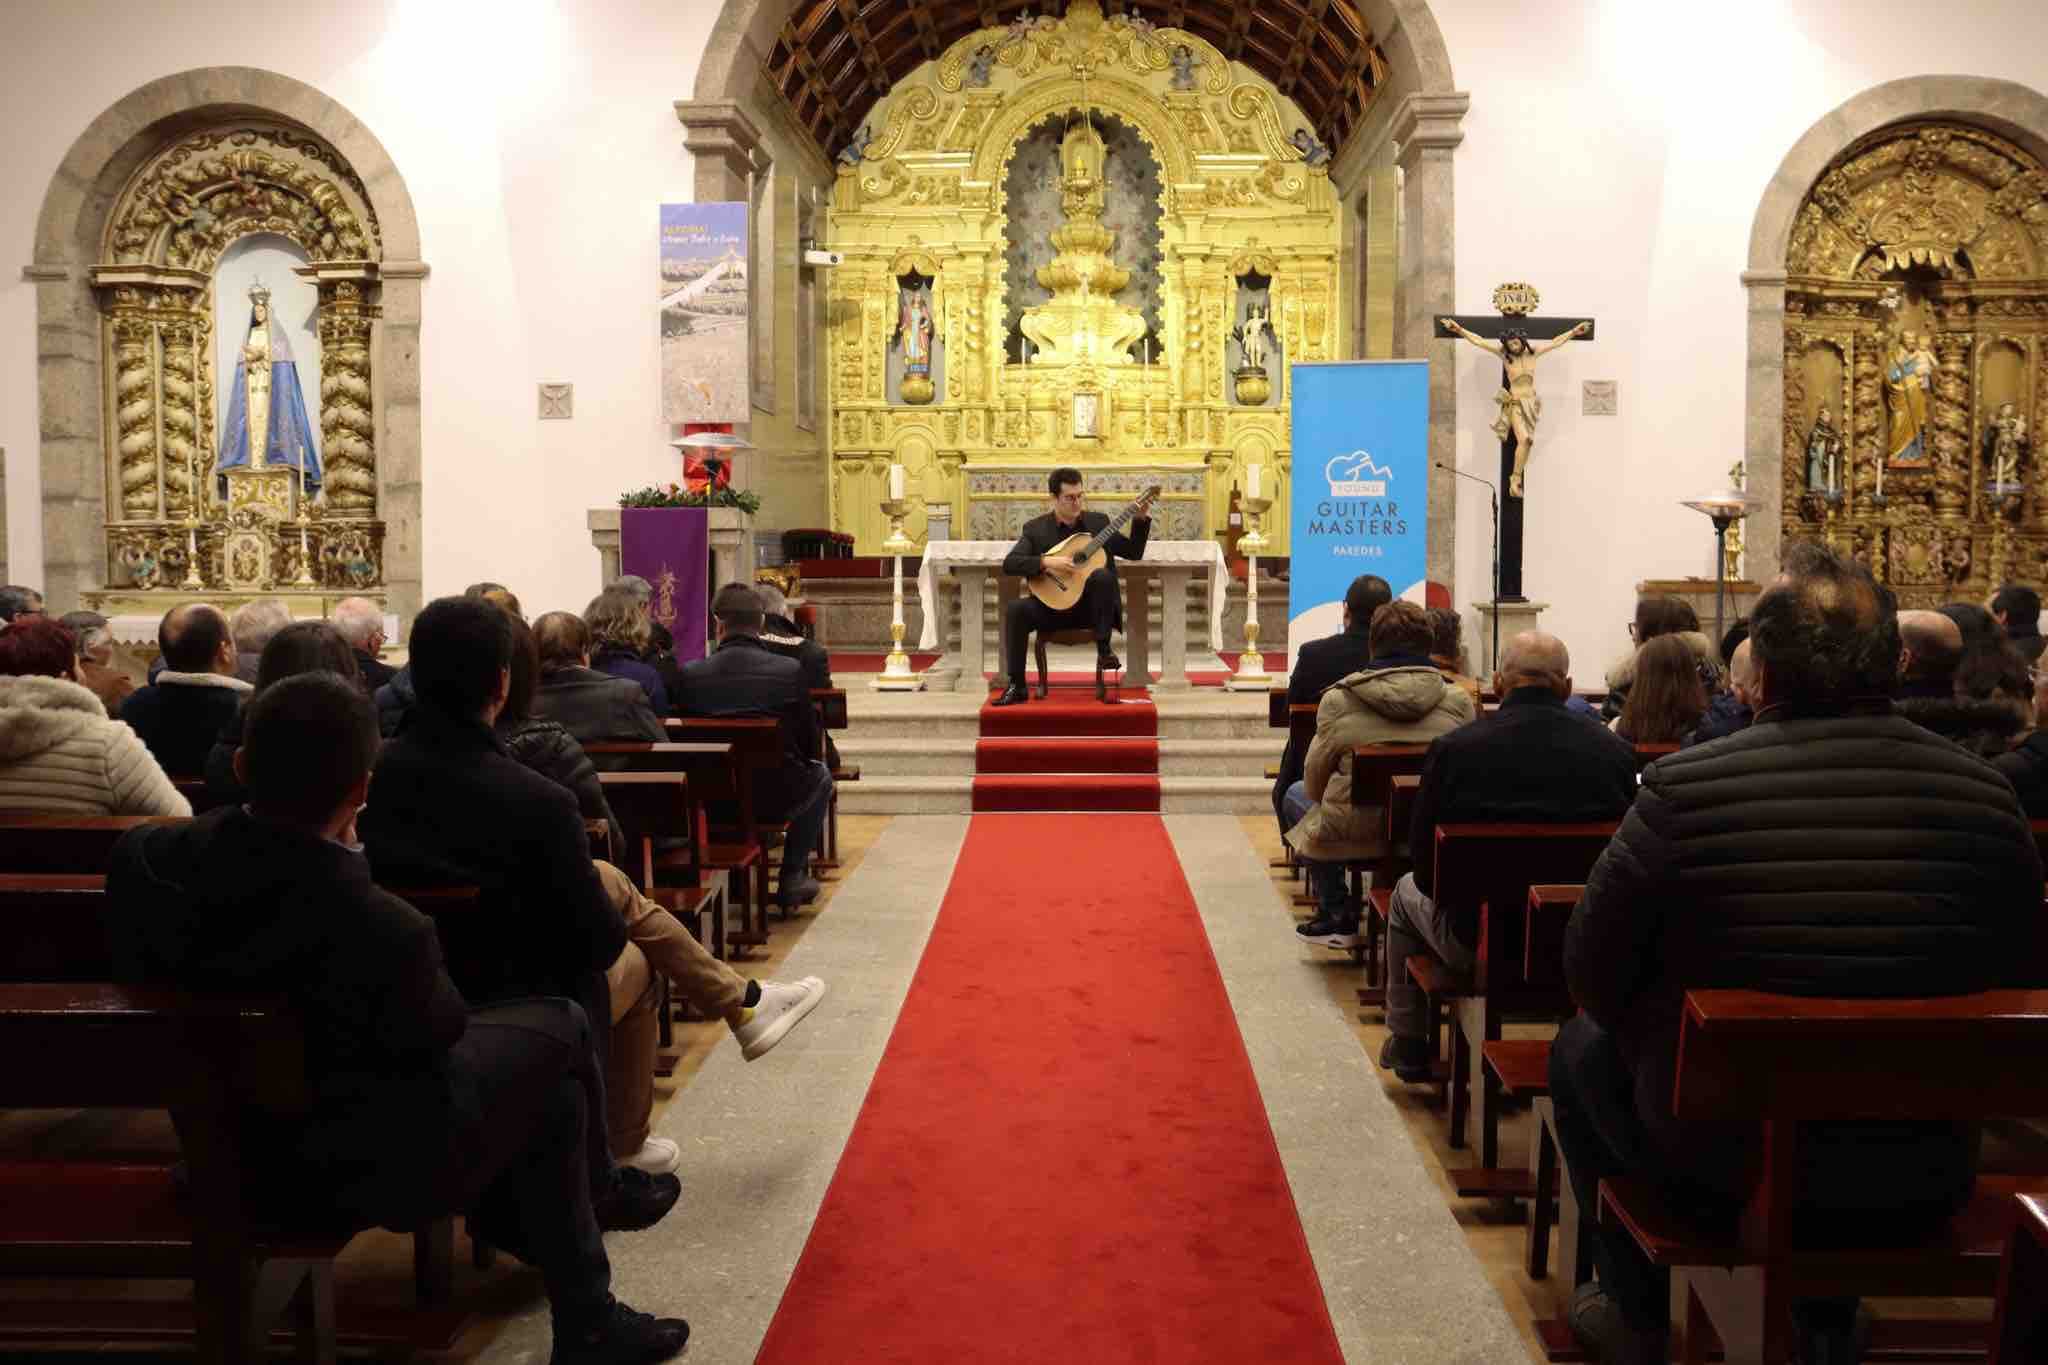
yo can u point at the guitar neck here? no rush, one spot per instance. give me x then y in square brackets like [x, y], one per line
[1119, 521]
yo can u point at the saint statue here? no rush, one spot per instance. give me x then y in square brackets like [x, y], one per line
[1183, 61]
[266, 420]
[1520, 408]
[1254, 336]
[1823, 454]
[2005, 441]
[914, 328]
[1908, 381]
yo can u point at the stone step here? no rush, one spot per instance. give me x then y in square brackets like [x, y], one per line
[955, 796]
[943, 757]
[935, 717]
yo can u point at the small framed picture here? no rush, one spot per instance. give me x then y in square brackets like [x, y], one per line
[1088, 414]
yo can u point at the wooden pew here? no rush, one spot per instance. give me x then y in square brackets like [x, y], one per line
[1299, 721]
[830, 704]
[2019, 1329]
[95, 1045]
[36, 841]
[1375, 768]
[1779, 1061]
[720, 758]
[657, 806]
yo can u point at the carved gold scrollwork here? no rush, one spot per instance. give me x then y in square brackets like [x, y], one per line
[182, 460]
[347, 429]
[135, 396]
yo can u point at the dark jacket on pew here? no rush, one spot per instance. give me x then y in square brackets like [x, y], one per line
[1532, 760]
[180, 715]
[745, 678]
[1320, 663]
[2026, 767]
[1985, 728]
[230, 904]
[780, 635]
[449, 807]
[597, 708]
[1816, 854]
[395, 701]
[551, 751]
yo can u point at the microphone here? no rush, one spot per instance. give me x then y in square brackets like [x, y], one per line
[1453, 469]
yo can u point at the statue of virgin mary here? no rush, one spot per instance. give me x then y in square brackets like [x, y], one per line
[266, 419]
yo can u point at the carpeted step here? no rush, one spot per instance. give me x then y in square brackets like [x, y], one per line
[1066, 792]
[1100, 754]
[1083, 715]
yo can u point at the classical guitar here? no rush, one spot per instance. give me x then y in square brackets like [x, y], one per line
[1081, 554]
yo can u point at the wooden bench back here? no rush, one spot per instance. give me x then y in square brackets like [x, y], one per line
[53, 928]
[1301, 725]
[35, 841]
[1276, 708]
[1375, 766]
[1489, 868]
[1548, 915]
[653, 806]
[1646, 754]
[830, 703]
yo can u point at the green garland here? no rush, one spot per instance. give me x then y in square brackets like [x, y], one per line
[675, 495]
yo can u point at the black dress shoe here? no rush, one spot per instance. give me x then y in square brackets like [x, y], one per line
[1013, 695]
[636, 1200]
[1106, 660]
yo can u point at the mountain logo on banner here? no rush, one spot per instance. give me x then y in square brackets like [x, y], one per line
[1357, 475]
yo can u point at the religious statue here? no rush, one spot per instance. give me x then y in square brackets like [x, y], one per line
[1184, 61]
[856, 147]
[914, 335]
[266, 419]
[1313, 152]
[1520, 408]
[1823, 455]
[1254, 335]
[980, 67]
[2005, 441]
[1908, 382]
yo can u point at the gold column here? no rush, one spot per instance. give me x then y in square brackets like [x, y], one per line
[184, 462]
[135, 407]
[348, 431]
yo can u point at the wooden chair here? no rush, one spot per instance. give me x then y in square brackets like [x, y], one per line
[657, 809]
[35, 841]
[1007, 589]
[1780, 1061]
[1374, 770]
[2019, 1330]
[830, 704]
[93, 1045]
[1299, 720]
[721, 758]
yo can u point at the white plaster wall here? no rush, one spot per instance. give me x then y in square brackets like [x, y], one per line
[536, 137]
[1614, 156]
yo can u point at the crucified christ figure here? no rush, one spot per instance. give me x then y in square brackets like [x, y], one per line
[1520, 408]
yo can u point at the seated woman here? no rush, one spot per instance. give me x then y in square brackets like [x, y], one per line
[619, 632]
[58, 750]
[1668, 695]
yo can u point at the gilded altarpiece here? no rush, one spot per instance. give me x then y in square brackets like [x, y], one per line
[1069, 348]
[179, 213]
[1920, 261]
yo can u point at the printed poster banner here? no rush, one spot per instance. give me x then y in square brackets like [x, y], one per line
[704, 319]
[1361, 488]
[670, 547]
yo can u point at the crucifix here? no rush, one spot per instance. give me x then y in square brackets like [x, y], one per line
[1518, 338]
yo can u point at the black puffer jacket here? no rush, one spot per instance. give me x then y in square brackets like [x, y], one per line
[2026, 767]
[1836, 854]
[1986, 728]
[553, 752]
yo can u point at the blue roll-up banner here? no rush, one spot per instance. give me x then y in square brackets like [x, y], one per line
[1361, 488]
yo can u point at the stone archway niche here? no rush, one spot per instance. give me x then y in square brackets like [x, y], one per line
[131, 227]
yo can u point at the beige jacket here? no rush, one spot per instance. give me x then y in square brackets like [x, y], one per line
[1401, 705]
[59, 752]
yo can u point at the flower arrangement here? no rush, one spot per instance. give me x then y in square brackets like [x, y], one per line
[675, 495]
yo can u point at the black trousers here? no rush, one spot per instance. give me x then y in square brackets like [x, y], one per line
[518, 1150]
[1096, 611]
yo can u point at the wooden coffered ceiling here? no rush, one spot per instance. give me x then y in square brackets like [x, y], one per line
[835, 58]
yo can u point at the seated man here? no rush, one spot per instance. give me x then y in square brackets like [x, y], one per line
[449, 807]
[361, 623]
[783, 636]
[1831, 849]
[253, 625]
[1322, 662]
[1401, 697]
[1733, 709]
[19, 603]
[1101, 606]
[182, 711]
[742, 677]
[2017, 610]
[595, 707]
[1530, 761]
[419, 1108]
[1930, 656]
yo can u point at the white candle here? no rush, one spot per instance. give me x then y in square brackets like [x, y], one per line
[896, 483]
[1251, 481]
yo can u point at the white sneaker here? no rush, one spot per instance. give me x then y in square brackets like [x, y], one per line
[657, 1156]
[783, 1005]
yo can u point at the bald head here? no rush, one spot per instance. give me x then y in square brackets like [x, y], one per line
[1742, 674]
[195, 638]
[1534, 659]
[1931, 645]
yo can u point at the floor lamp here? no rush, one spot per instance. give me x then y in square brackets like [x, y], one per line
[1724, 509]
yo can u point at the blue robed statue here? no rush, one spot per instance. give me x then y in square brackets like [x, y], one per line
[266, 419]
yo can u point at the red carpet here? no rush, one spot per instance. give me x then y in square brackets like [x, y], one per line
[1069, 752]
[1063, 1156]
[1066, 792]
[1066, 756]
[1070, 713]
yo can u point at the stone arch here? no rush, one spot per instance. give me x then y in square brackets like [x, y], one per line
[2013, 111]
[72, 237]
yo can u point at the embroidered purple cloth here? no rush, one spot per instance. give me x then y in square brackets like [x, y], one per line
[670, 547]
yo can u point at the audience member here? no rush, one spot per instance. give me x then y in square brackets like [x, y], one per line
[1530, 761]
[253, 625]
[2026, 764]
[1667, 698]
[660, 654]
[1978, 625]
[743, 678]
[97, 673]
[58, 750]
[1401, 697]
[448, 806]
[498, 595]
[1447, 651]
[1321, 662]
[17, 602]
[1830, 849]
[619, 635]
[594, 707]
[301, 647]
[1995, 675]
[418, 1107]
[183, 710]
[361, 623]
[1733, 709]
[780, 634]
[1931, 653]
[2018, 610]
[1656, 616]
[542, 744]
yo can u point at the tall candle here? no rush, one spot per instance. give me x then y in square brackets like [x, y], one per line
[896, 483]
[1251, 481]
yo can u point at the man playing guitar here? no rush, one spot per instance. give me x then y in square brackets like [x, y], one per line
[1100, 608]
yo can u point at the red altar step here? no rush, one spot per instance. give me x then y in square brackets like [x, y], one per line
[1065, 754]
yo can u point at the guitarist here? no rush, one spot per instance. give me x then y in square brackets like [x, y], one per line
[1101, 605]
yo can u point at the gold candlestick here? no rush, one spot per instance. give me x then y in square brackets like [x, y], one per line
[192, 578]
[896, 674]
[1251, 674]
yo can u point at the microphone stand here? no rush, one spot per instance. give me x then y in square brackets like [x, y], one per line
[1493, 501]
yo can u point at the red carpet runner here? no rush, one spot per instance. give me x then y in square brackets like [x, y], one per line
[1069, 752]
[1063, 1156]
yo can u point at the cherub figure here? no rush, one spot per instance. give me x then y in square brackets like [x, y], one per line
[1312, 151]
[1183, 61]
[856, 147]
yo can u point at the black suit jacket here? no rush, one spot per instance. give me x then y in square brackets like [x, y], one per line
[1041, 533]
[375, 671]
[783, 636]
[746, 678]
[597, 708]
[1320, 663]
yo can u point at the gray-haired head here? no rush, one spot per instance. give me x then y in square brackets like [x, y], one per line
[359, 620]
[1534, 659]
[772, 600]
[634, 585]
[254, 623]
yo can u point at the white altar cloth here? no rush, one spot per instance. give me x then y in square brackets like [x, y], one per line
[1195, 552]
